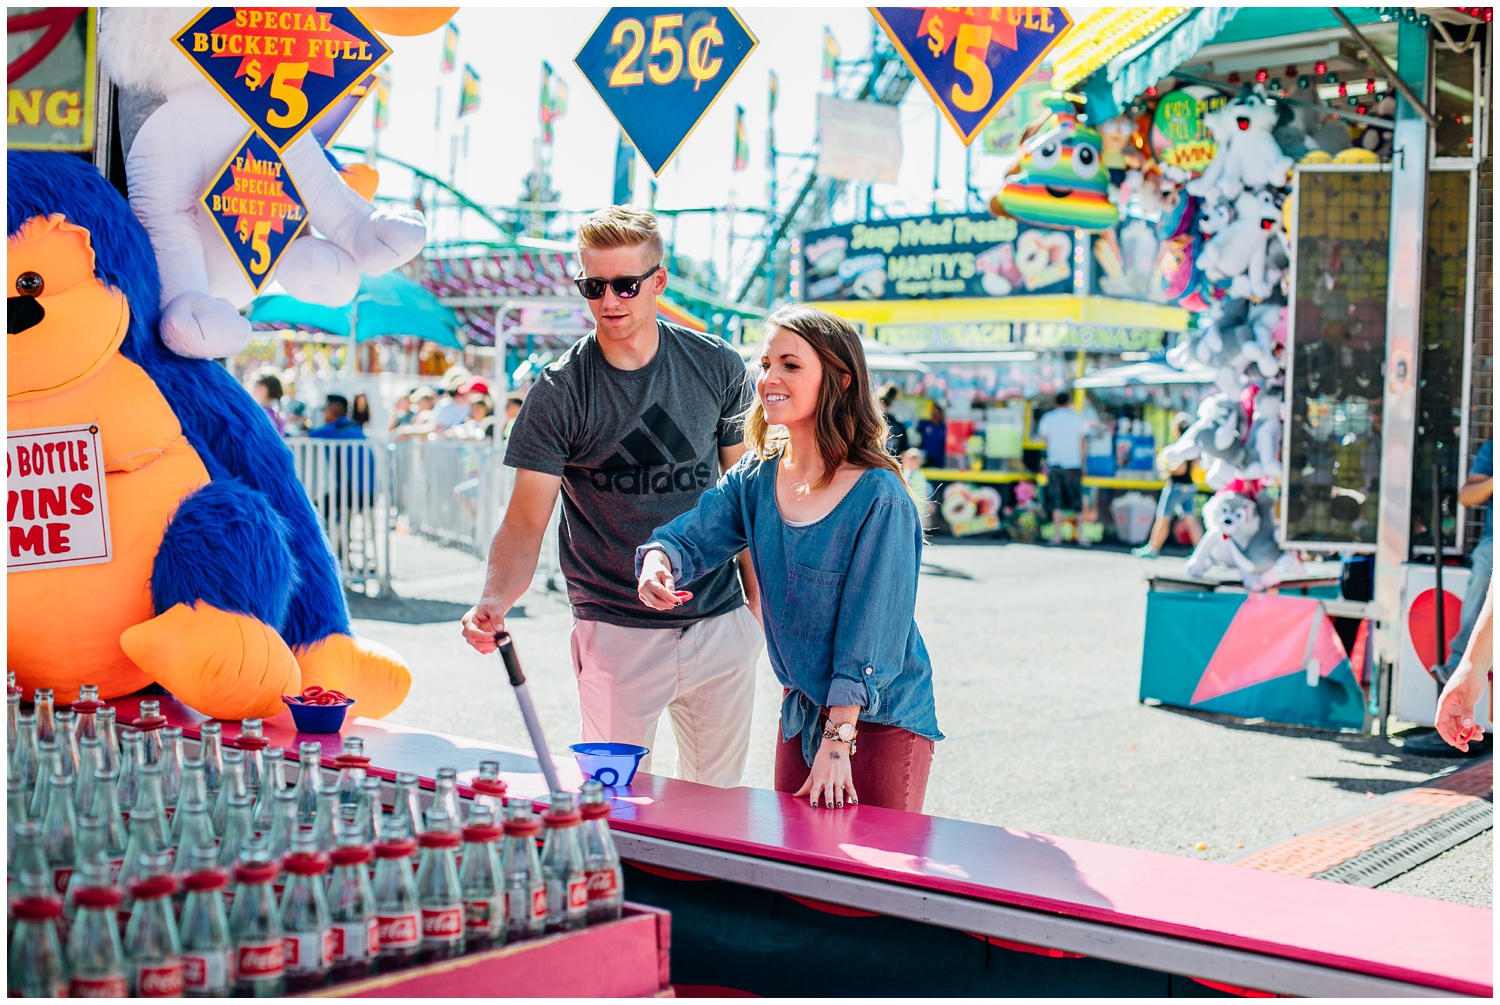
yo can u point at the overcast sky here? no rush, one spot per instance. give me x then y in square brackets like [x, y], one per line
[506, 46]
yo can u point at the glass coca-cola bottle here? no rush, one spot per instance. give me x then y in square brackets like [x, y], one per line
[51, 764]
[211, 753]
[272, 781]
[407, 805]
[149, 722]
[445, 799]
[306, 931]
[41, 707]
[255, 925]
[195, 834]
[171, 767]
[326, 820]
[59, 833]
[148, 797]
[95, 960]
[86, 710]
[107, 808]
[107, 728]
[251, 742]
[12, 719]
[351, 764]
[89, 851]
[438, 890]
[154, 953]
[562, 866]
[28, 871]
[204, 928]
[238, 828]
[351, 906]
[231, 783]
[489, 790]
[36, 965]
[194, 789]
[132, 757]
[66, 738]
[26, 757]
[601, 861]
[481, 881]
[525, 890]
[283, 823]
[397, 909]
[370, 814]
[15, 813]
[146, 842]
[90, 761]
[309, 778]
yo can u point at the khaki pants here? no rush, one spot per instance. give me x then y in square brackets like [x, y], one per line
[704, 675]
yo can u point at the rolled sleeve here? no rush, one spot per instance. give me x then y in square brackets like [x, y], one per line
[706, 536]
[880, 599]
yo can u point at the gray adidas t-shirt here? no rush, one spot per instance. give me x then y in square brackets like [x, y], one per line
[635, 448]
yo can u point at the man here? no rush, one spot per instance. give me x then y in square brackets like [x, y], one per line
[632, 424]
[1064, 430]
[336, 422]
[356, 492]
[512, 409]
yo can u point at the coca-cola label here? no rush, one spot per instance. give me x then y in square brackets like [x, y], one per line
[98, 987]
[60, 878]
[398, 931]
[482, 917]
[354, 941]
[539, 902]
[604, 884]
[259, 961]
[206, 970]
[163, 980]
[578, 895]
[307, 952]
[442, 924]
[115, 865]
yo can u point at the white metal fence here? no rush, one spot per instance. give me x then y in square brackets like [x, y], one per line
[410, 510]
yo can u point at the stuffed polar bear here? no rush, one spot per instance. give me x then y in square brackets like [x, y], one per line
[1249, 156]
[178, 132]
[1240, 533]
[1239, 336]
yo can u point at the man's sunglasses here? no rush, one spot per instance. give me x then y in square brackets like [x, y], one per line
[625, 287]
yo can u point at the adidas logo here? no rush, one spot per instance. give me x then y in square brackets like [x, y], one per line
[654, 458]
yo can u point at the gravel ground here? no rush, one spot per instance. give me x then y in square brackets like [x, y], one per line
[1036, 655]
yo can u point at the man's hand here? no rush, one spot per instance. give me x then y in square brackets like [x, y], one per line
[1455, 711]
[483, 622]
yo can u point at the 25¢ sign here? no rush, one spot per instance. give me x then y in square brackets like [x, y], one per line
[658, 70]
[972, 59]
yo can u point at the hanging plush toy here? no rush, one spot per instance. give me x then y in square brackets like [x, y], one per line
[1218, 440]
[1239, 532]
[1237, 254]
[1059, 180]
[178, 131]
[216, 581]
[1238, 337]
[1248, 156]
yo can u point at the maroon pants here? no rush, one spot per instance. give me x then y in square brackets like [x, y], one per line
[890, 767]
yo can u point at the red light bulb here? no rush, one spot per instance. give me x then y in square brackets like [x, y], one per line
[1321, 68]
[1343, 90]
[1370, 85]
[1261, 76]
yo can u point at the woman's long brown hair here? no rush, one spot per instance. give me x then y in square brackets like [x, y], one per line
[849, 425]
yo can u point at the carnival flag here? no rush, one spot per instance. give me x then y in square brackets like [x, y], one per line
[830, 53]
[624, 171]
[468, 94]
[382, 99]
[554, 100]
[741, 141]
[450, 47]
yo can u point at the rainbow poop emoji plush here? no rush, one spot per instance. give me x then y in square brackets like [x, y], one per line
[157, 531]
[1060, 180]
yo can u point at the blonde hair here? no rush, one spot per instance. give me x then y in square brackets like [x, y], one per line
[621, 227]
[849, 425]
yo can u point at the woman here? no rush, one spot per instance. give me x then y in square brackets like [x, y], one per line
[836, 542]
[1176, 502]
[267, 393]
[360, 410]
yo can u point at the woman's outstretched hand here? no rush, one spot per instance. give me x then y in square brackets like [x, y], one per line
[655, 587]
[832, 777]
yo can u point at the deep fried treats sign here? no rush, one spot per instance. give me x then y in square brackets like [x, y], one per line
[55, 505]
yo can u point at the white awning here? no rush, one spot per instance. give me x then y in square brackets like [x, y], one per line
[1146, 374]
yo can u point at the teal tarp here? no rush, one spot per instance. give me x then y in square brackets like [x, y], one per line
[392, 304]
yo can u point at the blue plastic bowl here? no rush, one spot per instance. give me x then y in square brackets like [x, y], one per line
[317, 718]
[611, 764]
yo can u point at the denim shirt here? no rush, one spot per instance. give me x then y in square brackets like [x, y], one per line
[837, 596]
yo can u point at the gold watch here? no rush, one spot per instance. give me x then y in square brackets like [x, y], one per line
[844, 732]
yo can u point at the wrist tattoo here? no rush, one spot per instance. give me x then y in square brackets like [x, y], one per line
[834, 755]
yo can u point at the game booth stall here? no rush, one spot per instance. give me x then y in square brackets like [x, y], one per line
[160, 841]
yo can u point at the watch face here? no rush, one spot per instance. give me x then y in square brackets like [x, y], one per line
[846, 731]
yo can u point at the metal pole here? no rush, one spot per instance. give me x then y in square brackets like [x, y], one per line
[937, 153]
[1385, 69]
[528, 711]
[1439, 614]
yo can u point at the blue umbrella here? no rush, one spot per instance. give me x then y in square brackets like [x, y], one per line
[392, 304]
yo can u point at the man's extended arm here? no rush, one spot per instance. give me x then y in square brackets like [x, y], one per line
[513, 556]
